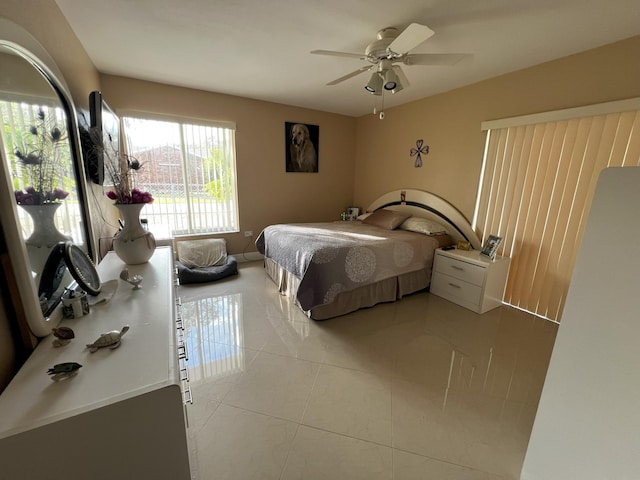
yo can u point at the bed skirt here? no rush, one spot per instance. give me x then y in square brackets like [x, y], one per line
[388, 290]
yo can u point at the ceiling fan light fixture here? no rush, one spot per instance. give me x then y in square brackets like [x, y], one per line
[399, 86]
[391, 81]
[374, 86]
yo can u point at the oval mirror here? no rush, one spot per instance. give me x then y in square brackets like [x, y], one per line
[43, 181]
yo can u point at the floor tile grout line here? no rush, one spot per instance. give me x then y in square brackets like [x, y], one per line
[286, 460]
[313, 386]
[448, 462]
[340, 434]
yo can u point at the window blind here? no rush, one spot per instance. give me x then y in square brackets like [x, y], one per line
[190, 169]
[535, 192]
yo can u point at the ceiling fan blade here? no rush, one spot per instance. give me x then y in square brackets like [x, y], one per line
[361, 56]
[410, 38]
[349, 75]
[403, 78]
[435, 58]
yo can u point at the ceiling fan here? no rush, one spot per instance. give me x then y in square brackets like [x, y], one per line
[392, 47]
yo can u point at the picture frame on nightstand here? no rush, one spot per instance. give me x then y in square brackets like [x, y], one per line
[352, 213]
[490, 247]
[463, 245]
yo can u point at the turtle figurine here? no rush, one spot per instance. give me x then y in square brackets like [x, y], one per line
[63, 336]
[64, 370]
[110, 339]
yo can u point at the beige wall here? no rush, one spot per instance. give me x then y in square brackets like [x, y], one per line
[450, 123]
[43, 20]
[267, 194]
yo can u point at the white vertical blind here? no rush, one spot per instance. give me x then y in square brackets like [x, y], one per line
[191, 172]
[536, 191]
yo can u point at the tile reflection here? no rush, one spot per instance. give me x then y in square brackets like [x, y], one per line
[461, 371]
[419, 388]
[214, 336]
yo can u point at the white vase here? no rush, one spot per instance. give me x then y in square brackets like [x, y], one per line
[133, 244]
[45, 234]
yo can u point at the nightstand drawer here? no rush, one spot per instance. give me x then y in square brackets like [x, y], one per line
[464, 271]
[455, 290]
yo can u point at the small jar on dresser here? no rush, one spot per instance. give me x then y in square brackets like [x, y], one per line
[469, 279]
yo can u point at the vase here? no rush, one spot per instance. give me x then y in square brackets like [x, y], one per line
[45, 234]
[133, 244]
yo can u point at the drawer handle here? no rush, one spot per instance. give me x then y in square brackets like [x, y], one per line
[454, 285]
[188, 396]
[456, 267]
[182, 352]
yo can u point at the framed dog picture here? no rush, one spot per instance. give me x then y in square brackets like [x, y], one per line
[301, 147]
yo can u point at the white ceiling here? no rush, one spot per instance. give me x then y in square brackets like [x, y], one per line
[260, 48]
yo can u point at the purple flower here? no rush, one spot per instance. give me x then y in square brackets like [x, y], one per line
[32, 197]
[23, 198]
[56, 194]
[136, 196]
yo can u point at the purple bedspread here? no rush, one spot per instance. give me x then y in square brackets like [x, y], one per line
[330, 258]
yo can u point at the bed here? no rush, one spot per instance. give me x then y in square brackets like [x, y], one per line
[331, 269]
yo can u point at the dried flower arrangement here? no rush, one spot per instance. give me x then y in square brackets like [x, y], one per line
[41, 159]
[120, 169]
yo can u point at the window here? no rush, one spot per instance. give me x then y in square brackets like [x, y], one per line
[190, 171]
[538, 180]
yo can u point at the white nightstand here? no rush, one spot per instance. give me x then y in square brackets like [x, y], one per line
[469, 279]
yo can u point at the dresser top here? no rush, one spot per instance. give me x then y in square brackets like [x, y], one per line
[144, 361]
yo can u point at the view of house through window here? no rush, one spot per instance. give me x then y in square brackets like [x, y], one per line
[191, 172]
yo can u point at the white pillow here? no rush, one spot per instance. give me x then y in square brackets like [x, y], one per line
[422, 225]
[363, 215]
[202, 253]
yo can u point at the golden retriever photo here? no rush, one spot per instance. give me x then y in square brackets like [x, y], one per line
[302, 147]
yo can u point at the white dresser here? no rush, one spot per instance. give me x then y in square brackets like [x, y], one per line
[122, 416]
[469, 279]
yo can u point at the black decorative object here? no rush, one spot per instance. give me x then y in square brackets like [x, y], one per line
[66, 255]
[99, 131]
[419, 151]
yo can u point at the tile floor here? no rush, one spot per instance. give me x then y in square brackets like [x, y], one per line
[416, 389]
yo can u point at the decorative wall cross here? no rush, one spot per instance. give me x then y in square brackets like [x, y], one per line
[419, 151]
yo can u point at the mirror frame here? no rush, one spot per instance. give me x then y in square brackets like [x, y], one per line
[25, 45]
